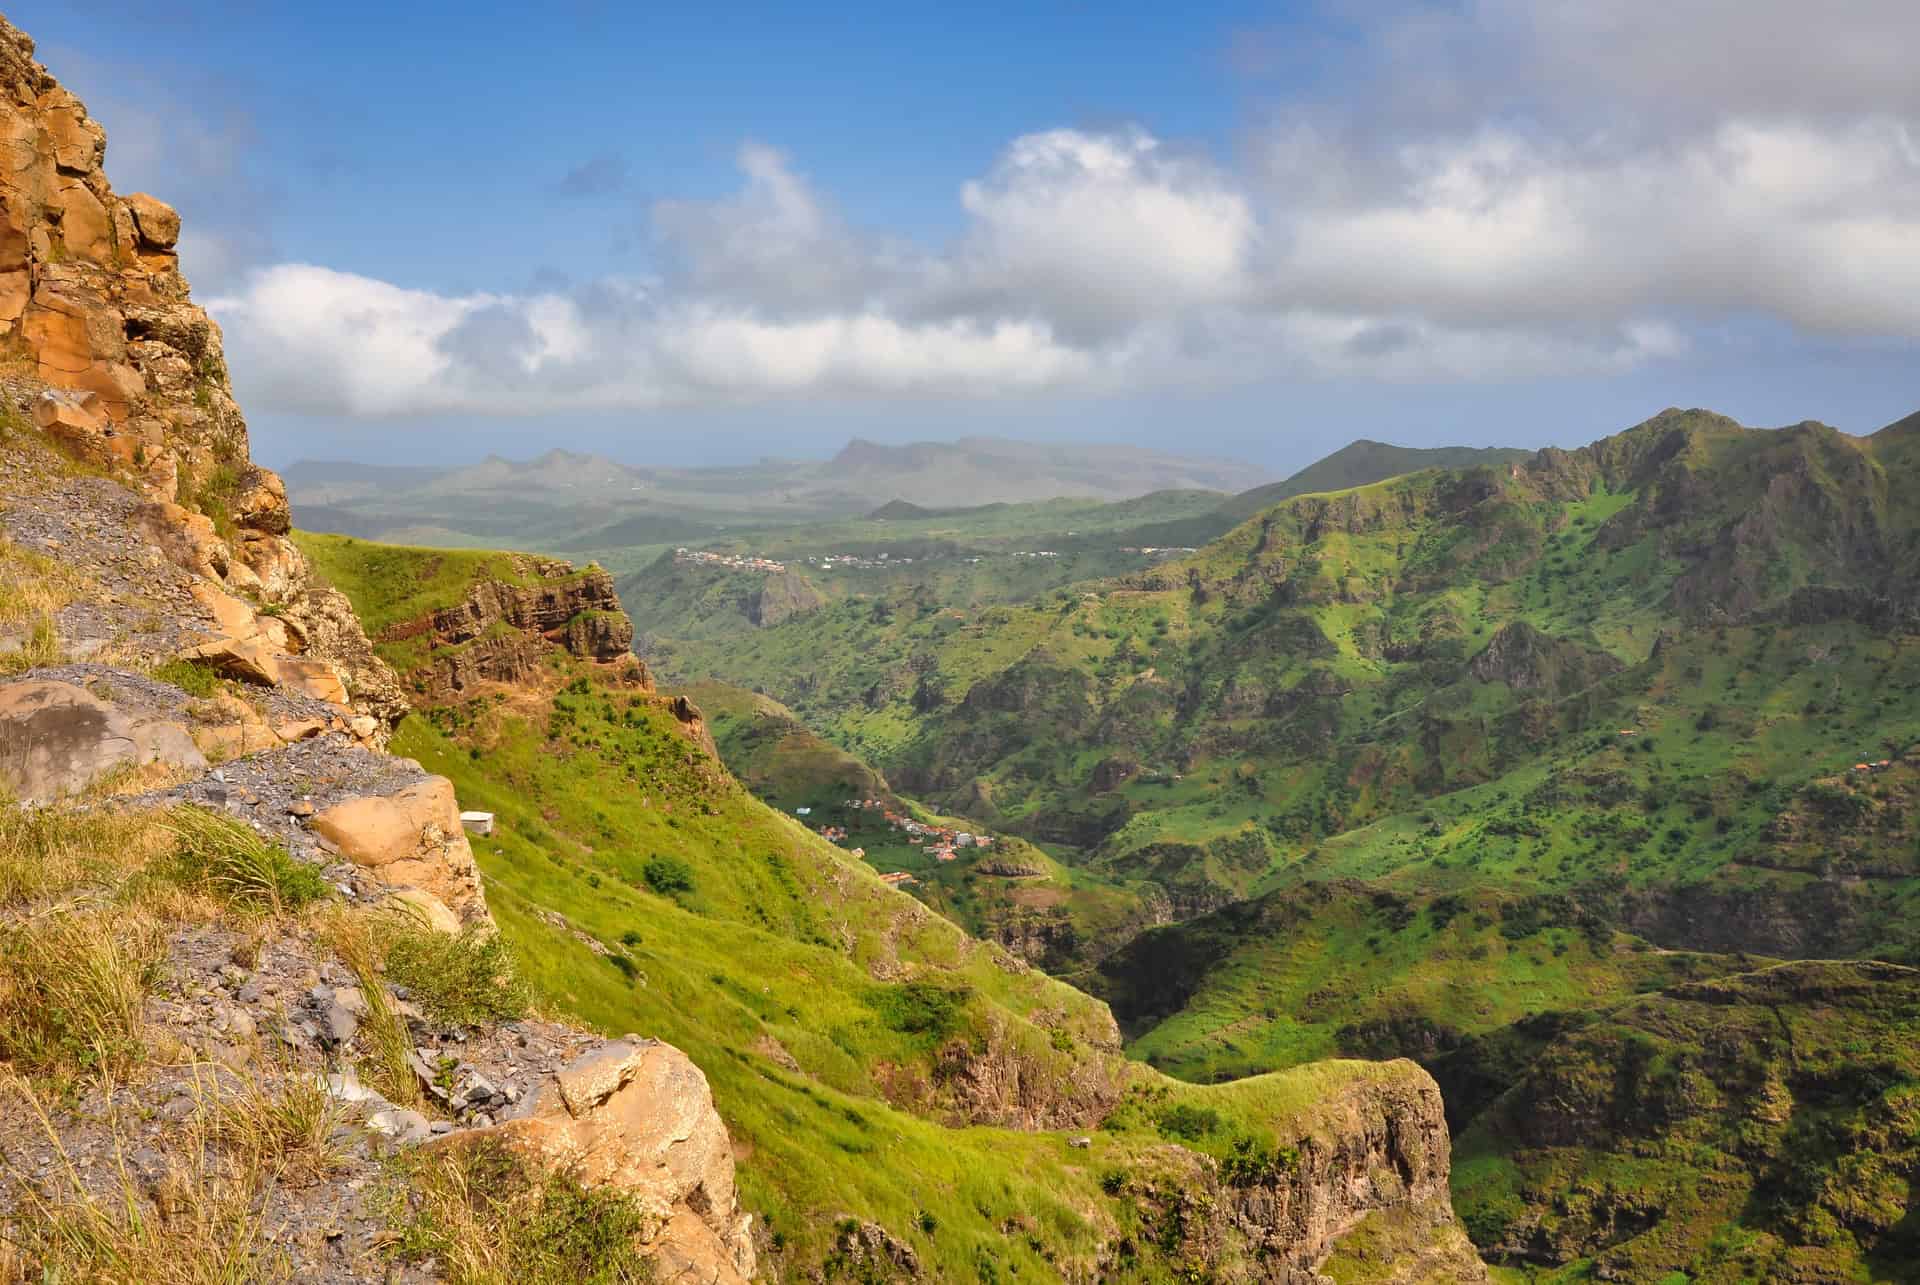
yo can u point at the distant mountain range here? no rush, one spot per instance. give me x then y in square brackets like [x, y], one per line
[568, 500]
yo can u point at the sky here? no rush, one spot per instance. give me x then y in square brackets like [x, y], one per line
[705, 234]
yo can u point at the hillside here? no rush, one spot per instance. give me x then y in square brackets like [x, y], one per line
[814, 997]
[1362, 463]
[1659, 694]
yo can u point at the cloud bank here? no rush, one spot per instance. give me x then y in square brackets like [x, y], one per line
[1518, 188]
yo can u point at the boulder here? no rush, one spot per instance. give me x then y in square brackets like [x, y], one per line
[637, 1115]
[310, 677]
[260, 504]
[158, 224]
[410, 839]
[56, 739]
[248, 659]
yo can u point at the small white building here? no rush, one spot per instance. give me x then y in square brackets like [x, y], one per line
[480, 823]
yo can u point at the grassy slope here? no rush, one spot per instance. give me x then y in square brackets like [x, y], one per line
[400, 583]
[1363, 463]
[779, 947]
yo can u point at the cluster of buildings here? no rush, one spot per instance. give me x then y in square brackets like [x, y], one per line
[897, 878]
[941, 842]
[1879, 765]
[851, 562]
[731, 561]
[1155, 550]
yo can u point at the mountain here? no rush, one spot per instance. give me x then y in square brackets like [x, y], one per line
[981, 470]
[1362, 463]
[1440, 765]
[571, 502]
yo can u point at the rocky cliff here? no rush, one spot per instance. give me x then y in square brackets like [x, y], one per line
[103, 350]
[501, 632]
[228, 920]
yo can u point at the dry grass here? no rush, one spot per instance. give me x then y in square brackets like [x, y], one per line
[285, 1125]
[230, 862]
[199, 1223]
[74, 978]
[386, 1067]
[34, 586]
[33, 589]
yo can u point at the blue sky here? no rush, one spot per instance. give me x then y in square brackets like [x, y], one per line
[703, 234]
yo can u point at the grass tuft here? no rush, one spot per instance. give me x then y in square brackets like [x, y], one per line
[486, 1220]
[228, 860]
[463, 980]
[73, 980]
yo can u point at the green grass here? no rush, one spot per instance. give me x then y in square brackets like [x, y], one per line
[400, 584]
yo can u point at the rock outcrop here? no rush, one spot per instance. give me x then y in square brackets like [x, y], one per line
[56, 739]
[119, 367]
[636, 1115]
[411, 840]
[502, 633]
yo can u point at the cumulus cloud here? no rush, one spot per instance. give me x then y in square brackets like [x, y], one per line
[1508, 189]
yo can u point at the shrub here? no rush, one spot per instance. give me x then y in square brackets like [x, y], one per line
[486, 1220]
[1188, 1122]
[463, 979]
[925, 1009]
[667, 875]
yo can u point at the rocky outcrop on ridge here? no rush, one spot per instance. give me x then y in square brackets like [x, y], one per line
[502, 633]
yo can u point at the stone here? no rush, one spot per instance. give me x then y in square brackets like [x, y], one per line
[231, 617]
[56, 739]
[309, 677]
[156, 221]
[186, 538]
[410, 839]
[260, 503]
[404, 1126]
[247, 659]
[638, 1116]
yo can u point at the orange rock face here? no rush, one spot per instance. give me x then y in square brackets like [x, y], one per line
[94, 311]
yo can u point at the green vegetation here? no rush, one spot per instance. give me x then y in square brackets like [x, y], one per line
[463, 979]
[226, 859]
[641, 888]
[484, 1219]
[1445, 765]
[401, 584]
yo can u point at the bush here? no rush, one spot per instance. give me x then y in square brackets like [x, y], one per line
[483, 1217]
[464, 979]
[667, 875]
[193, 679]
[1188, 1122]
[921, 1008]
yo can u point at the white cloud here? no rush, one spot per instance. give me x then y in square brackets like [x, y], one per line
[1511, 189]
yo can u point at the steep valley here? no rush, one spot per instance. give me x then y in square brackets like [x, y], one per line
[1452, 766]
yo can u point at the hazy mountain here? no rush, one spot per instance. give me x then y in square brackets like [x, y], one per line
[563, 499]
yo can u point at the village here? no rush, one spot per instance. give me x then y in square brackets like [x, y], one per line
[942, 843]
[731, 561]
